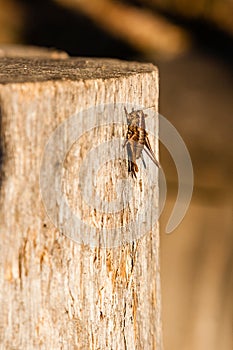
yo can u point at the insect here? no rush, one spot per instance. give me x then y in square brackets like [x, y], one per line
[137, 140]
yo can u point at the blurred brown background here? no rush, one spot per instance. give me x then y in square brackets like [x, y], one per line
[192, 44]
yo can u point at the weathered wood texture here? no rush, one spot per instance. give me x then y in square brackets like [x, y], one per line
[56, 293]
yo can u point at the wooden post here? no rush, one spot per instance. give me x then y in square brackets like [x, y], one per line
[58, 293]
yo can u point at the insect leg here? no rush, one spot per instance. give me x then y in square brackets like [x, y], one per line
[125, 142]
[150, 153]
[143, 161]
[126, 113]
[132, 166]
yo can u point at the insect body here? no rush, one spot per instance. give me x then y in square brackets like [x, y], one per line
[137, 140]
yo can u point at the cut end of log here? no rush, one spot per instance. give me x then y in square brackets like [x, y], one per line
[38, 69]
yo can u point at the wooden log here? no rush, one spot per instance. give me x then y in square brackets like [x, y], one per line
[145, 31]
[13, 50]
[58, 293]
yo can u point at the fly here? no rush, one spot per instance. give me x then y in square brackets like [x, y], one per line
[137, 140]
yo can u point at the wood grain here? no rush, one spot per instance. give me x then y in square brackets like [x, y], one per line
[57, 293]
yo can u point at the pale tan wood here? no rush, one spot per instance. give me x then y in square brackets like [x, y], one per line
[197, 277]
[56, 293]
[13, 50]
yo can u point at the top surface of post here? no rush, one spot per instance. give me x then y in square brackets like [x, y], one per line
[23, 70]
